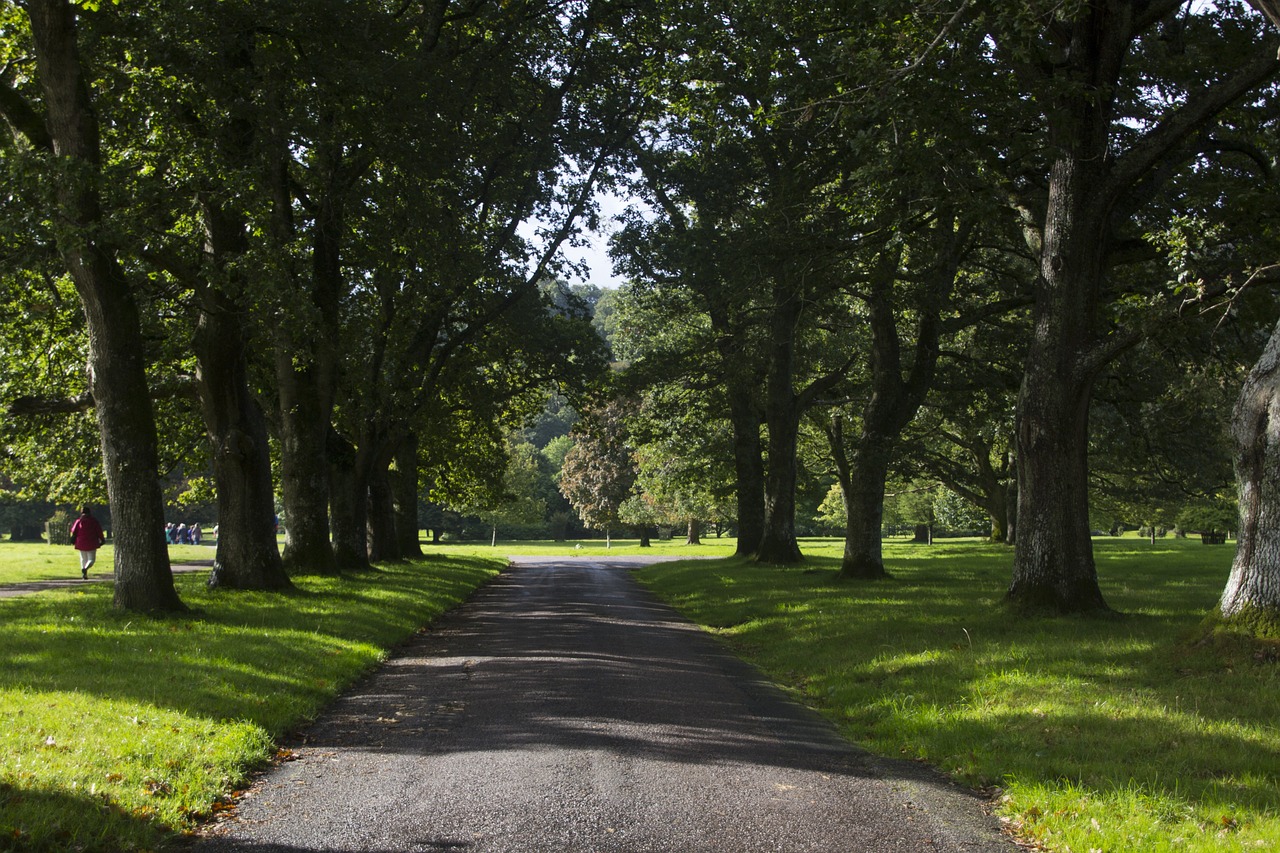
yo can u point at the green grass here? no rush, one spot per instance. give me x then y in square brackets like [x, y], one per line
[1107, 734]
[710, 547]
[35, 561]
[117, 730]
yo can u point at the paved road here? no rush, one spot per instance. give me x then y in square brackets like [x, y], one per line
[564, 709]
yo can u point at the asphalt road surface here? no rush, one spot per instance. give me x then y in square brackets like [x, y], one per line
[565, 709]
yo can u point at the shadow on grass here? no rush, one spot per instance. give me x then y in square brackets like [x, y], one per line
[238, 655]
[930, 664]
[35, 819]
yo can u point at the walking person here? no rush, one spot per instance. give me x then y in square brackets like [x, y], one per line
[87, 537]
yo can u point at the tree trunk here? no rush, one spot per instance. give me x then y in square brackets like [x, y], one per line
[748, 468]
[643, 532]
[862, 484]
[778, 544]
[381, 522]
[304, 467]
[744, 415]
[1053, 559]
[694, 535]
[348, 474]
[305, 369]
[1252, 594]
[1011, 505]
[894, 399]
[117, 372]
[404, 482]
[997, 514]
[247, 555]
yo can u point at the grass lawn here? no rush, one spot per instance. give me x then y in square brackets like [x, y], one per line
[1102, 734]
[116, 729]
[36, 561]
[710, 547]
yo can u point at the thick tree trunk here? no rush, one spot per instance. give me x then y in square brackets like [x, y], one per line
[117, 372]
[304, 467]
[383, 546]
[748, 468]
[643, 532]
[1053, 559]
[778, 544]
[247, 555]
[694, 534]
[405, 485]
[1091, 181]
[305, 364]
[745, 417]
[863, 487]
[349, 502]
[1252, 594]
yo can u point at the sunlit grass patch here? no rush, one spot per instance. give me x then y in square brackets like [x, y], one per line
[117, 729]
[1165, 744]
[21, 562]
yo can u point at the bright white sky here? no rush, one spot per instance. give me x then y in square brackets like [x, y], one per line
[597, 253]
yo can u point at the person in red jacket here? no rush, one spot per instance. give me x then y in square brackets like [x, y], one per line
[87, 537]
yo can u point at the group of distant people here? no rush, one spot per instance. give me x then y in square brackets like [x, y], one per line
[183, 534]
[87, 536]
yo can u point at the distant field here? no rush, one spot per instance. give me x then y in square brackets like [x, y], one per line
[36, 561]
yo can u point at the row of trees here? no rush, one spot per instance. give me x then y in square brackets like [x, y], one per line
[959, 230]
[862, 221]
[326, 225]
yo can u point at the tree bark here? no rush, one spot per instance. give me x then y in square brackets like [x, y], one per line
[694, 534]
[778, 544]
[862, 483]
[349, 502]
[247, 555]
[381, 523]
[1252, 594]
[748, 467]
[304, 467]
[1053, 558]
[117, 372]
[306, 365]
[744, 416]
[894, 399]
[405, 485]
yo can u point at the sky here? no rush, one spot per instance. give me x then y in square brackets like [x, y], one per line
[596, 254]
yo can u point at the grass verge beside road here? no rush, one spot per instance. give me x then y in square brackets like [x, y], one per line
[116, 730]
[1103, 734]
[21, 562]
